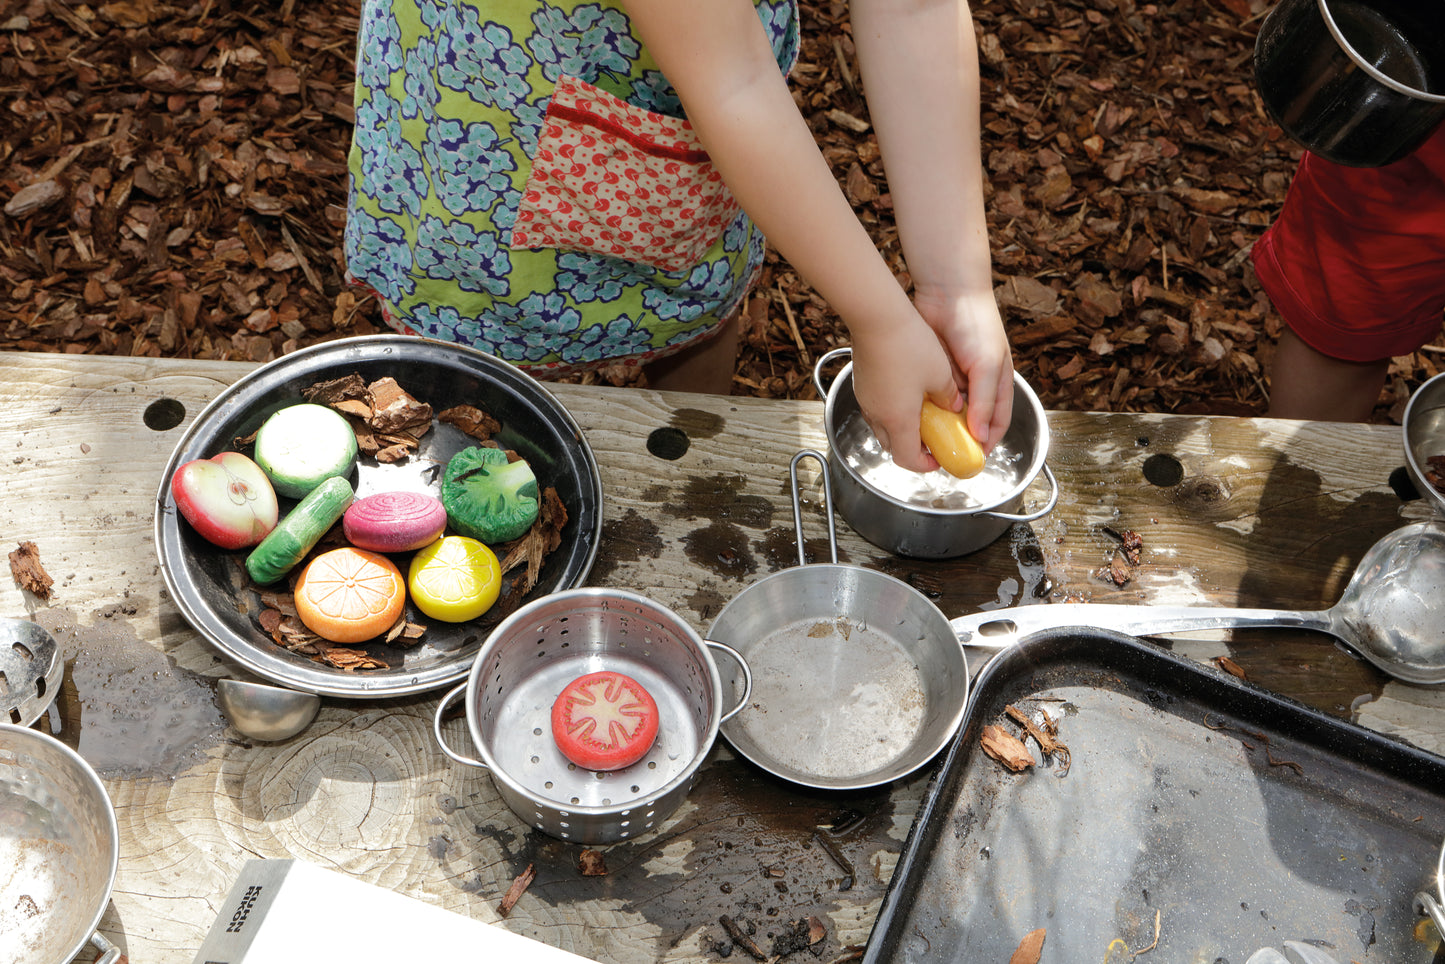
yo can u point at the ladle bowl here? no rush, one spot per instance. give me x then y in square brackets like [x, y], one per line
[1387, 613]
[266, 713]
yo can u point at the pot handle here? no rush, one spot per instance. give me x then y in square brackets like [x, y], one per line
[822, 363]
[736, 657]
[1037, 513]
[447, 701]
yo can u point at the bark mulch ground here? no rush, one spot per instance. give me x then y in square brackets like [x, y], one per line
[173, 181]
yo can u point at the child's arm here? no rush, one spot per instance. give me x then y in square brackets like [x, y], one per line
[717, 57]
[920, 71]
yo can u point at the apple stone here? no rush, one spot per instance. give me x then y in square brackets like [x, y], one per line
[227, 499]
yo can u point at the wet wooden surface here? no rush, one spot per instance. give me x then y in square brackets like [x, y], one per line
[1230, 512]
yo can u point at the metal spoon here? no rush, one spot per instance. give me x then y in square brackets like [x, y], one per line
[1389, 613]
[267, 713]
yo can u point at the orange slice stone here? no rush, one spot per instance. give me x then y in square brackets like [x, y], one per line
[349, 595]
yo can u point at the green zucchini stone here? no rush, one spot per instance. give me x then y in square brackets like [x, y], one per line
[298, 533]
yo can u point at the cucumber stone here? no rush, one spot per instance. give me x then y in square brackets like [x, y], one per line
[298, 533]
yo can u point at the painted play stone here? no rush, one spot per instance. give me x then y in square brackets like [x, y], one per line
[302, 446]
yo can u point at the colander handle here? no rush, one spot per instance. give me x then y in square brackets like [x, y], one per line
[1037, 513]
[736, 657]
[447, 701]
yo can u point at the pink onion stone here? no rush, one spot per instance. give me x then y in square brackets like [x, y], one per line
[394, 521]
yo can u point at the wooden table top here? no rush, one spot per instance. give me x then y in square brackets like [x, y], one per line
[1230, 511]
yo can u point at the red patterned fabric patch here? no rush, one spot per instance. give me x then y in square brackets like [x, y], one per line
[613, 179]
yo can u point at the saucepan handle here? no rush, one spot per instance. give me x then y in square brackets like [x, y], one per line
[736, 657]
[823, 363]
[446, 702]
[1037, 513]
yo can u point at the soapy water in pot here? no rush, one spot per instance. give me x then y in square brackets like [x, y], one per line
[865, 458]
[881, 687]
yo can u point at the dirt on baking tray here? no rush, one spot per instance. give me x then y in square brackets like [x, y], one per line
[173, 176]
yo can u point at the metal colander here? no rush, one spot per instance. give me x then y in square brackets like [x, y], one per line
[531, 657]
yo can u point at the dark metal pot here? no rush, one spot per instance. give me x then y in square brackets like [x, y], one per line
[931, 515]
[1358, 82]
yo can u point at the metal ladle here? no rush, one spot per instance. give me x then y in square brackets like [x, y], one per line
[267, 713]
[1389, 612]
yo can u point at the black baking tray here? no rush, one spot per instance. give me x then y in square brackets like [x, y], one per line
[1235, 817]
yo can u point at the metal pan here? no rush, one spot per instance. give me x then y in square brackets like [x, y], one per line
[858, 679]
[1234, 816]
[59, 851]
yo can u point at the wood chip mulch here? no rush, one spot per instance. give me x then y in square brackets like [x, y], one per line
[172, 179]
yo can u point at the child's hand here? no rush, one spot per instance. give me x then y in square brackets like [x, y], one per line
[973, 335]
[961, 340]
[894, 369]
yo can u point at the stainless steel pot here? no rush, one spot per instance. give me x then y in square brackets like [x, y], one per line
[531, 657]
[931, 515]
[1359, 82]
[860, 679]
[59, 850]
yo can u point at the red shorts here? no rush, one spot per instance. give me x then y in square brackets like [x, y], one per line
[1355, 262]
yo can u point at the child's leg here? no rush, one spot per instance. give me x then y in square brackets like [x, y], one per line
[705, 366]
[1355, 265]
[1307, 384]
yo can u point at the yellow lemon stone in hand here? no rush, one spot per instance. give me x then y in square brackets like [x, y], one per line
[454, 579]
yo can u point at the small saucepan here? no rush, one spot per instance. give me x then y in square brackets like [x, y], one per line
[59, 851]
[858, 679]
[931, 515]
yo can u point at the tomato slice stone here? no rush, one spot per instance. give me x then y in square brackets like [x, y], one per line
[604, 721]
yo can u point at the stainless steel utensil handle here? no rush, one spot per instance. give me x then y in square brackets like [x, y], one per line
[827, 504]
[1037, 513]
[109, 953]
[447, 701]
[736, 657]
[1001, 628]
[1426, 904]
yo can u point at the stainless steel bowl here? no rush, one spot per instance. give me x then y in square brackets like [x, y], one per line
[1425, 438]
[59, 851]
[209, 585]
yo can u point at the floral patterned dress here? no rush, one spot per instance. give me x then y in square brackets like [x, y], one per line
[523, 181]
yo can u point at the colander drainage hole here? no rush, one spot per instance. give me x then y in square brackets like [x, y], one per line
[601, 775]
[536, 759]
[574, 800]
[570, 766]
[635, 788]
[652, 764]
[536, 731]
[607, 801]
[547, 785]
